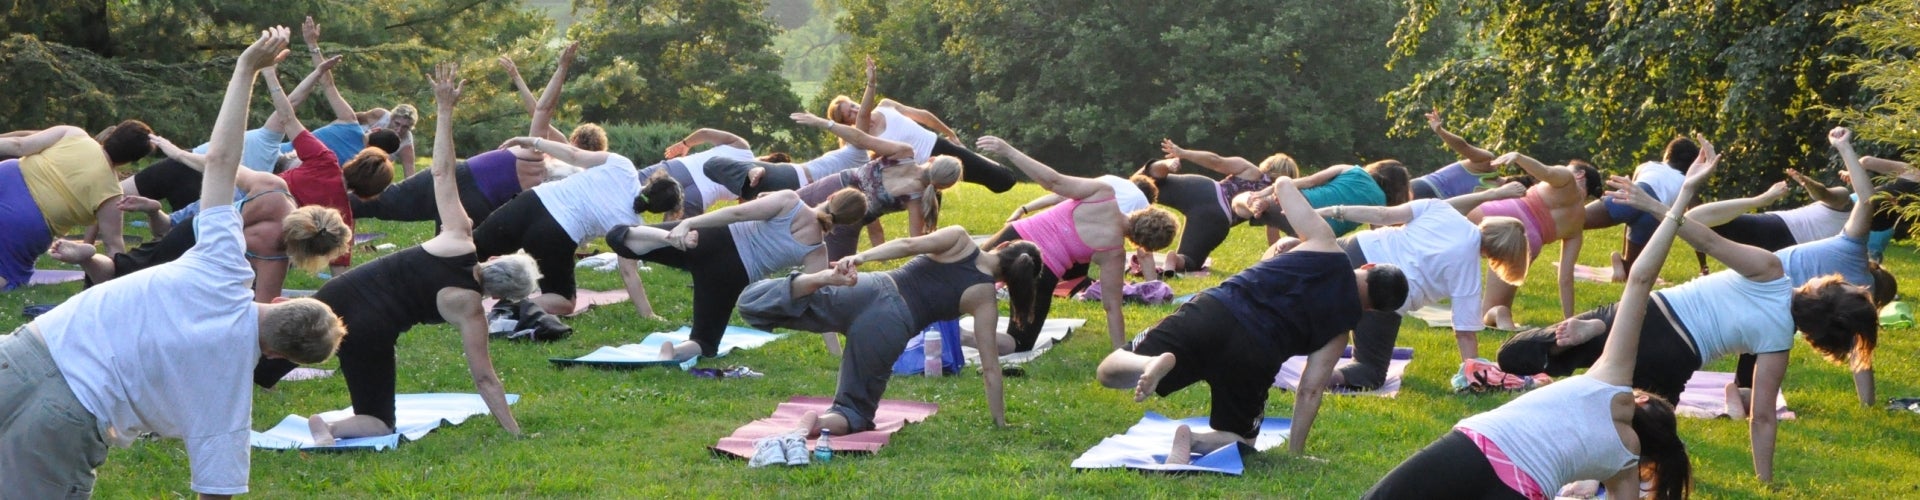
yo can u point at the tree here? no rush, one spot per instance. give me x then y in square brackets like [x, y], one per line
[701, 62]
[1890, 69]
[1093, 85]
[1613, 81]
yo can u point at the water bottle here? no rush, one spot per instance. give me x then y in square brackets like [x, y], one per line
[932, 345]
[823, 450]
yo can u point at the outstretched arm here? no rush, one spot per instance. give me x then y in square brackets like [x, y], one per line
[1753, 262]
[1894, 168]
[306, 85]
[1038, 204]
[1079, 188]
[562, 151]
[924, 118]
[715, 137]
[550, 97]
[1555, 176]
[1475, 159]
[1831, 197]
[1378, 216]
[223, 158]
[1229, 165]
[1860, 220]
[36, 142]
[462, 309]
[763, 208]
[946, 240]
[342, 112]
[1616, 362]
[857, 137]
[1322, 177]
[1467, 202]
[863, 120]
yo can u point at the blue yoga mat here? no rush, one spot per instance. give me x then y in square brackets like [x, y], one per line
[647, 352]
[1145, 446]
[415, 415]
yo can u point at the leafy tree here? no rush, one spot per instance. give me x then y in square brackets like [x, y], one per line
[1890, 69]
[1093, 85]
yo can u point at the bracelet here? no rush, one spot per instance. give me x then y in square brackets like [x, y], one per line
[1339, 213]
[1678, 221]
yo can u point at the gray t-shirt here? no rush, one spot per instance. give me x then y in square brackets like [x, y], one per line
[1836, 254]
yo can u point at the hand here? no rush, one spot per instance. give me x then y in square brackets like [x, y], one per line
[327, 64]
[848, 264]
[1329, 213]
[808, 119]
[1702, 165]
[1505, 159]
[1840, 137]
[754, 175]
[995, 145]
[130, 203]
[677, 150]
[1257, 203]
[512, 70]
[1017, 214]
[1509, 190]
[265, 52]
[1433, 120]
[567, 55]
[446, 90]
[165, 146]
[1173, 150]
[873, 75]
[681, 236]
[310, 32]
[517, 142]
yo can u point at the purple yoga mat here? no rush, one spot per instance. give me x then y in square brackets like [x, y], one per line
[892, 416]
[1706, 397]
[1289, 377]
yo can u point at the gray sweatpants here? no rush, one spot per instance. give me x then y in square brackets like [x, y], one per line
[49, 443]
[871, 315]
[1373, 337]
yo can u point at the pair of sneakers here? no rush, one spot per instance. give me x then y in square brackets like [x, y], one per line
[788, 449]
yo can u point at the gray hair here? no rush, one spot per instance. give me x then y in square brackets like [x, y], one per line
[509, 277]
[285, 162]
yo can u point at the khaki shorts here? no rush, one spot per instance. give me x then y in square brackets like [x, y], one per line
[49, 443]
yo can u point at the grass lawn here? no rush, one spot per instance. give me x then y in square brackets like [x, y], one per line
[600, 433]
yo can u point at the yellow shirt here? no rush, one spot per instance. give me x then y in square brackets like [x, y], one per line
[69, 181]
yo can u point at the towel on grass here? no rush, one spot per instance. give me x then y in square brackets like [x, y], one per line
[54, 276]
[647, 352]
[891, 417]
[1289, 377]
[583, 299]
[1706, 397]
[1145, 446]
[415, 415]
[1054, 331]
[304, 373]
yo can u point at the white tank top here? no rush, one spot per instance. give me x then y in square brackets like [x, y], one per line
[1813, 222]
[1560, 433]
[1128, 196]
[712, 192]
[903, 129]
[1664, 179]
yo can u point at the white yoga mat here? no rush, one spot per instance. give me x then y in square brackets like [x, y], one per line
[415, 415]
[1054, 331]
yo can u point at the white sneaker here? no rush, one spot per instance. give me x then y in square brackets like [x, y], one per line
[794, 446]
[767, 451]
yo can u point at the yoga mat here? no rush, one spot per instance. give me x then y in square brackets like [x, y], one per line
[363, 238]
[54, 276]
[583, 300]
[1706, 397]
[1054, 331]
[892, 415]
[1160, 262]
[1145, 446]
[1593, 274]
[1184, 298]
[1065, 288]
[415, 415]
[1435, 316]
[647, 352]
[304, 373]
[1289, 377]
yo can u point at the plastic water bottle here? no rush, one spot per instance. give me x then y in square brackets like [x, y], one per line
[823, 450]
[932, 347]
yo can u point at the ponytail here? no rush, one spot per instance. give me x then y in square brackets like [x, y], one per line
[1663, 456]
[942, 172]
[845, 207]
[1020, 268]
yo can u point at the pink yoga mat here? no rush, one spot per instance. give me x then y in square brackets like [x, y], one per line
[892, 416]
[54, 276]
[1706, 397]
[583, 300]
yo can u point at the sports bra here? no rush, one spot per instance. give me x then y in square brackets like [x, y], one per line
[1058, 237]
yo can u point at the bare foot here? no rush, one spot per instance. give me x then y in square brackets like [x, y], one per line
[1150, 378]
[1581, 489]
[679, 351]
[1182, 452]
[322, 433]
[1574, 332]
[809, 424]
[1499, 317]
[71, 252]
[1736, 402]
[1619, 268]
[1773, 194]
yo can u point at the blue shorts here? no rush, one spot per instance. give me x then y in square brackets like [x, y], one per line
[1640, 225]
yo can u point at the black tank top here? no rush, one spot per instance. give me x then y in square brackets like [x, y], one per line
[393, 293]
[932, 289]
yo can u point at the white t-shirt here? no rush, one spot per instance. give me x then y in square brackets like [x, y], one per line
[170, 350]
[711, 192]
[903, 129]
[1815, 221]
[1439, 250]
[1664, 179]
[832, 163]
[592, 202]
[1560, 433]
[1728, 314]
[1126, 195]
[260, 150]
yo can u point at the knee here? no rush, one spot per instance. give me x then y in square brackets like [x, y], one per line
[1114, 372]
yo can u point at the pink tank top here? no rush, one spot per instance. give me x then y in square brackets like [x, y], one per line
[1058, 238]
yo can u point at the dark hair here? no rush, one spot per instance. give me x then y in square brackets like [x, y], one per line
[127, 142]
[1020, 268]
[1522, 178]
[660, 195]
[1663, 456]
[1147, 187]
[1838, 321]
[368, 174]
[776, 157]
[1596, 182]
[1680, 153]
[386, 140]
[1393, 179]
[1885, 286]
[1386, 287]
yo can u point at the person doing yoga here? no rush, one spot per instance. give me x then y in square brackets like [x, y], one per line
[1594, 426]
[894, 121]
[1235, 336]
[1824, 218]
[699, 192]
[1752, 307]
[1658, 178]
[1129, 195]
[747, 179]
[1086, 229]
[1552, 210]
[893, 181]
[879, 312]
[727, 249]
[1381, 183]
[1203, 201]
[440, 281]
[163, 352]
[1458, 178]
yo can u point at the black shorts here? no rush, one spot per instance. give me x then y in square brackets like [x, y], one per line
[170, 181]
[1665, 361]
[1766, 231]
[1208, 344]
[1450, 467]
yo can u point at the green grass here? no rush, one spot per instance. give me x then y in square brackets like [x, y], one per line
[599, 433]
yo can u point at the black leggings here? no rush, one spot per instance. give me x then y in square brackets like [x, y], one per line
[1665, 361]
[1025, 338]
[1450, 467]
[1766, 231]
[733, 175]
[718, 277]
[1197, 198]
[523, 223]
[975, 168]
[412, 199]
[170, 181]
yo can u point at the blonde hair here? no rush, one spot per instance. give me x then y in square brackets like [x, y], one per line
[845, 207]
[1504, 241]
[942, 172]
[314, 236]
[1280, 165]
[589, 137]
[303, 330]
[835, 104]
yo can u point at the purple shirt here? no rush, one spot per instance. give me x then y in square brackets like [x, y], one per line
[496, 175]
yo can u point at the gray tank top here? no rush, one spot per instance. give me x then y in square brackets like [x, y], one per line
[767, 247]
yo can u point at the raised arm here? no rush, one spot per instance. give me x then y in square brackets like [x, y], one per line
[712, 136]
[1860, 220]
[284, 119]
[863, 120]
[454, 222]
[1229, 165]
[36, 142]
[1552, 175]
[1831, 197]
[924, 118]
[560, 150]
[1476, 159]
[1079, 188]
[857, 137]
[1616, 362]
[1753, 262]
[550, 97]
[342, 112]
[229, 127]
[527, 100]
